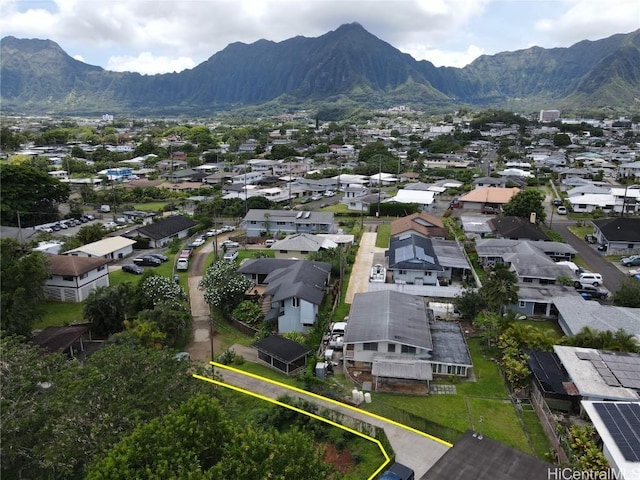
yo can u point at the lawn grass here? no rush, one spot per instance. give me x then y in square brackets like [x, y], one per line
[151, 206]
[228, 335]
[483, 405]
[266, 372]
[336, 208]
[536, 434]
[384, 232]
[580, 232]
[58, 314]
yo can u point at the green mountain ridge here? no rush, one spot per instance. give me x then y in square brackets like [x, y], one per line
[348, 65]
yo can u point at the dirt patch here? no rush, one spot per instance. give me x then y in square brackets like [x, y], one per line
[342, 461]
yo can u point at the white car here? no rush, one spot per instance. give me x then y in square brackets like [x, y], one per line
[230, 255]
[329, 193]
[110, 225]
[198, 241]
[227, 228]
[230, 244]
[588, 278]
[562, 210]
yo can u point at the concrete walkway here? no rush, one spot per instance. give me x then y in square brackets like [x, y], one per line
[359, 281]
[412, 449]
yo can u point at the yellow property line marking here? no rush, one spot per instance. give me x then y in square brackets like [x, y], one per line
[335, 402]
[304, 412]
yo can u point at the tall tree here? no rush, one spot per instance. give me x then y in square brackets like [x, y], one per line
[523, 203]
[499, 288]
[628, 295]
[108, 307]
[22, 278]
[223, 286]
[29, 194]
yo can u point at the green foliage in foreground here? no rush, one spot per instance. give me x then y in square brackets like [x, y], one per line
[199, 441]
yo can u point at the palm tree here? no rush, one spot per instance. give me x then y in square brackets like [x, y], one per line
[500, 288]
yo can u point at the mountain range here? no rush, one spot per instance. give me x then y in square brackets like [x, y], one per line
[346, 66]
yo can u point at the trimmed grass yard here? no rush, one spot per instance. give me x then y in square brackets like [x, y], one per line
[151, 206]
[60, 313]
[384, 232]
[483, 405]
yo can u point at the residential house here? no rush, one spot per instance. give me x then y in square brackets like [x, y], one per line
[411, 259]
[475, 226]
[475, 456]
[490, 182]
[111, 248]
[301, 245]
[293, 290]
[354, 191]
[171, 164]
[392, 338]
[363, 204]
[162, 232]
[72, 279]
[421, 224]
[631, 169]
[248, 178]
[184, 175]
[264, 223]
[494, 197]
[516, 228]
[492, 250]
[575, 314]
[421, 197]
[620, 234]
[601, 375]
[618, 430]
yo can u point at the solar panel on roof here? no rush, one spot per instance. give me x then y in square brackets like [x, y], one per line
[623, 423]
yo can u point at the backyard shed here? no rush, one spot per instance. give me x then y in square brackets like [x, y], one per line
[282, 354]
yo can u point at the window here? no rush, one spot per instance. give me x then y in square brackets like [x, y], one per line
[372, 346]
[402, 272]
[304, 252]
[527, 280]
[391, 348]
[101, 267]
[408, 349]
[67, 278]
[295, 302]
[83, 275]
[281, 223]
[284, 251]
[522, 304]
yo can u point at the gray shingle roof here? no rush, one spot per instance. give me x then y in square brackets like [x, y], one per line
[166, 227]
[303, 279]
[258, 215]
[389, 316]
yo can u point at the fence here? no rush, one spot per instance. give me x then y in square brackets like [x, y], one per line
[548, 423]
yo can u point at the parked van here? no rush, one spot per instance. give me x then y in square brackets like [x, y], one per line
[269, 242]
[182, 264]
[105, 208]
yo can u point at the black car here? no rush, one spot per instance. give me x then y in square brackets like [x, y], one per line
[159, 256]
[132, 268]
[591, 239]
[147, 261]
[589, 292]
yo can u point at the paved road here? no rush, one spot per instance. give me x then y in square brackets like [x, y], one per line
[412, 449]
[596, 262]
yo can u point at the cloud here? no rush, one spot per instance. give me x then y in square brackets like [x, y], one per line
[176, 34]
[444, 57]
[590, 19]
[147, 63]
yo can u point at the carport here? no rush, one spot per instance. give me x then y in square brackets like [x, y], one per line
[282, 354]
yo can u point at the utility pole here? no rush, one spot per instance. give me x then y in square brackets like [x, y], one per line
[379, 183]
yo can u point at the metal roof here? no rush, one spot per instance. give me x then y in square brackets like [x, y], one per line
[395, 367]
[389, 316]
[103, 247]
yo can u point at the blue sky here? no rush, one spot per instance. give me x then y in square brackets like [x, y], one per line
[158, 36]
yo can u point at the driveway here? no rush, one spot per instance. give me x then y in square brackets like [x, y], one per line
[414, 449]
[200, 346]
[359, 281]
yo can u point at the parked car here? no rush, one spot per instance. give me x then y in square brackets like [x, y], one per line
[603, 247]
[110, 225]
[133, 268]
[269, 242]
[590, 292]
[147, 261]
[632, 261]
[159, 256]
[329, 193]
[557, 202]
[591, 239]
[228, 228]
[88, 216]
[488, 209]
[562, 210]
[213, 233]
[588, 278]
[315, 198]
[230, 255]
[230, 244]
[198, 241]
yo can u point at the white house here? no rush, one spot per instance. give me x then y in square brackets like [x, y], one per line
[109, 248]
[73, 278]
